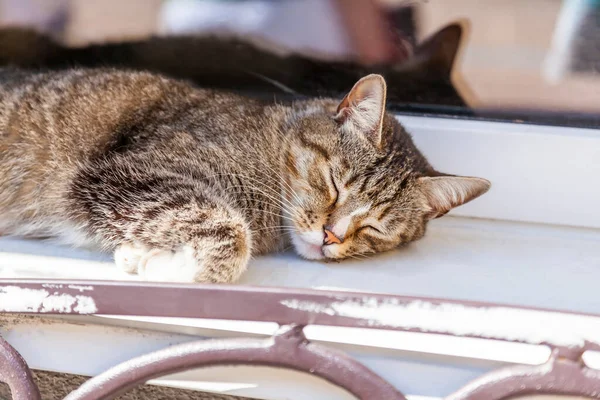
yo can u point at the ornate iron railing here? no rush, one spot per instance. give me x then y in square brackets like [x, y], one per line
[569, 335]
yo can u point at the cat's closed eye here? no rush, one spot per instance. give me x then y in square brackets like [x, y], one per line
[336, 191]
[373, 228]
[369, 227]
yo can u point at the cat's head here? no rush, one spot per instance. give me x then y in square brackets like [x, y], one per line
[355, 182]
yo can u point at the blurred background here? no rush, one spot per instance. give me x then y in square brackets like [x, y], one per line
[517, 59]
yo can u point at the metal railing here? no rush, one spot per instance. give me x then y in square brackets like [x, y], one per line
[565, 373]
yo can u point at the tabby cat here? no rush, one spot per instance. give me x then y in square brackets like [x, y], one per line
[186, 184]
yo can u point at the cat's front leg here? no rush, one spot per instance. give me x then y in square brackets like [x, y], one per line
[162, 226]
[214, 246]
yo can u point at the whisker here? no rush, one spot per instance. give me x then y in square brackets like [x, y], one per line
[273, 195]
[269, 212]
[282, 180]
[230, 174]
[278, 201]
[273, 228]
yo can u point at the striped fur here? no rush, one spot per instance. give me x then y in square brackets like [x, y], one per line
[186, 184]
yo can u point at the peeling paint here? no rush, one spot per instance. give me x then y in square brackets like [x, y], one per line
[52, 286]
[81, 288]
[85, 305]
[503, 323]
[17, 299]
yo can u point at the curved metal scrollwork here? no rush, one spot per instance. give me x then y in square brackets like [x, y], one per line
[288, 349]
[558, 376]
[15, 373]
[563, 374]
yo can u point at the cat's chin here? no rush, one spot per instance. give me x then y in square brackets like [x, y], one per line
[305, 246]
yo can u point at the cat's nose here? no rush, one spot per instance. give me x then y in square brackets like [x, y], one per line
[329, 237]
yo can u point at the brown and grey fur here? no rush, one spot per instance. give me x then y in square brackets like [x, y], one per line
[187, 184]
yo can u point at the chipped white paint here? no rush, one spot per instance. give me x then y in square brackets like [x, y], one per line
[503, 323]
[16, 299]
[61, 303]
[52, 286]
[85, 305]
[81, 288]
[13, 298]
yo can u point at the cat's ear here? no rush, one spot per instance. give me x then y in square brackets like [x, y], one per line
[362, 110]
[443, 193]
[437, 54]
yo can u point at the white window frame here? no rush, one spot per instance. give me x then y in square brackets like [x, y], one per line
[539, 173]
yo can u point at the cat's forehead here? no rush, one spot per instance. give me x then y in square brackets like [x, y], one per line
[349, 151]
[322, 130]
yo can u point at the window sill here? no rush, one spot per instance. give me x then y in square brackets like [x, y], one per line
[460, 258]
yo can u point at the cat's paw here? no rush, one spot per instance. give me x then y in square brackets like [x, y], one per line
[128, 256]
[183, 265]
[170, 266]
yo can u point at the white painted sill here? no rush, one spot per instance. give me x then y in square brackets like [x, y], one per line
[542, 174]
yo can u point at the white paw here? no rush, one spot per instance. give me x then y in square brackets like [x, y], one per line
[159, 265]
[128, 256]
[170, 266]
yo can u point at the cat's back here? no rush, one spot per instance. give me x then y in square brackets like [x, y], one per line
[53, 122]
[75, 104]
[54, 119]
[56, 124]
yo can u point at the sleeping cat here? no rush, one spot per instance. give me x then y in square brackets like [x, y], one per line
[231, 63]
[186, 184]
